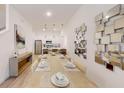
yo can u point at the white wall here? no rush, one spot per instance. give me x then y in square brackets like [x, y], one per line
[97, 73]
[26, 30]
[7, 40]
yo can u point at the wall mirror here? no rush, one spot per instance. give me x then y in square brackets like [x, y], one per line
[111, 39]
[2, 17]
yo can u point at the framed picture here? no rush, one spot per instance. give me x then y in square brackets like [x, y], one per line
[19, 37]
[3, 18]
[80, 41]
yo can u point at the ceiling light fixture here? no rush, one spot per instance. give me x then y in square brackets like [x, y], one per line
[48, 13]
[61, 30]
[54, 29]
[45, 27]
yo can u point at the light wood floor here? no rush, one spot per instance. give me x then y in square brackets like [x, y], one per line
[41, 79]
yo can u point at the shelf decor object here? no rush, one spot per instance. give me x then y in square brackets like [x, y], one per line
[80, 41]
[109, 38]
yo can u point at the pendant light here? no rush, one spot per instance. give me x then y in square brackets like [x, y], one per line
[45, 27]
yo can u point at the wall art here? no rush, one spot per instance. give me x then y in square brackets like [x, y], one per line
[2, 17]
[20, 37]
[109, 44]
[80, 41]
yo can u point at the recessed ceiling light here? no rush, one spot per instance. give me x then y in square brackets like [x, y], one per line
[44, 29]
[48, 13]
[54, 29]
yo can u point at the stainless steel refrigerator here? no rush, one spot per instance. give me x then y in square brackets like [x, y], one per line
[38, 47]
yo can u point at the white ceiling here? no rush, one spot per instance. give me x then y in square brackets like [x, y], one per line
[35, 13]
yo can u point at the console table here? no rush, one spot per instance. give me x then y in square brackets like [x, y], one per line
[18, 64]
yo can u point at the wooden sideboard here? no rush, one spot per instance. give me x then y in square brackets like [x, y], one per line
[18, 64]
